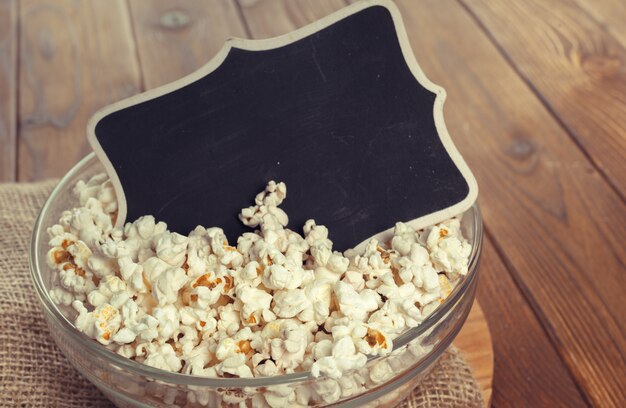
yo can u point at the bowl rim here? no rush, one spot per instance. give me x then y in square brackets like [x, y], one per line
[157, 374]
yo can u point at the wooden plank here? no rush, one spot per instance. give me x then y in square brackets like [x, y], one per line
[574, 65]
[175, 39]
[528, 369]
[474, 342]
[75, 57]
[269, 18]
[611, 14]
[8, 88]
[558, 224]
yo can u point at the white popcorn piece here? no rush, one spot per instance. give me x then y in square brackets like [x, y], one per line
[168, 318]
[314, 233]
[328, 390]
[132, 273]
[251, 274]
[236, 366]
[349, 386]
[202, 320]
[403, 299]
[430, 279]
[387, 320]
[287, 350]
[229, 321]
[90, 189]
[278, 277]
[375, 343]
[288, 303]
[319, 293]
[163, 356]
[101, 324]
[354, 279]
[61, 296]
[419, 255]
[140, 236]
[137, 324]
[380, 372]
[344, 358]
[278, 396]
[265, 212]
[356, 305]
[448, 250]
[165, 288]
[254, 302]
[403, 239]
[172, 248]
[108, 287]
[267, 369]
[196, 359]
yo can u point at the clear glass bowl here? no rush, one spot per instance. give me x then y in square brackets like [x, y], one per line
[131, 384]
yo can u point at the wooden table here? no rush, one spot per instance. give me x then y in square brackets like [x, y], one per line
[536, 103]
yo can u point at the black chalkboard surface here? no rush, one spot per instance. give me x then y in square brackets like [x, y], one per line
[338, 110]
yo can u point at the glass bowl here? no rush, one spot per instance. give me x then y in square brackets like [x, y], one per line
[384, 381]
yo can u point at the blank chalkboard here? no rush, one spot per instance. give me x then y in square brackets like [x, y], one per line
[338, 110]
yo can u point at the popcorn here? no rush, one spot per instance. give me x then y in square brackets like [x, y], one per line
[108, 287]
[356, 305]
[279, 277]
[167, 284]
[168, 318]
[447, 251]
[172, 248]
[254, 302]
[201, 320]
[380, 372]
[229, 321]
[318, 292]
[133, 274]
[276, 303]
[266, 212]
[344, 357]
[402, 299]
[288, 303]
[375, 342]
[162, 356]
[288, 349]
[196, 359]
[403, 238]
[328, 390]
[235, 366]
[101, 324]
[280, 396]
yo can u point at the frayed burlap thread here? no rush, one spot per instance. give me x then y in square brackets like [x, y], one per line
[34, 373]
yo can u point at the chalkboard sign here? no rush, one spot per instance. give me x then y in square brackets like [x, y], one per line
[339, 110]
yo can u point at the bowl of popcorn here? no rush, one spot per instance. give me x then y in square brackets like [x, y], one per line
[275, 319]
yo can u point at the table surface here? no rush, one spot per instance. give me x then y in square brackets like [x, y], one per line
[536, 104]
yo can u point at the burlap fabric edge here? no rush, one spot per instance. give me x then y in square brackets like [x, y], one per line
[34, 373]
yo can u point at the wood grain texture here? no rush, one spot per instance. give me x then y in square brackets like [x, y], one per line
[558, 224]
[528, 369]
[175, 39]
[75, 57]
[474, 342]
[577, 68]
[8, 88]
[611, 14]
[269, 18]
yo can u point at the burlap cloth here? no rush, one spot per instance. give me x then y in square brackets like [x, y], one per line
[34, 373]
